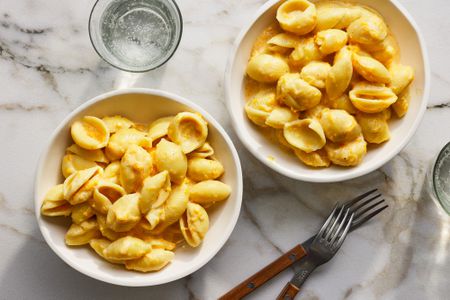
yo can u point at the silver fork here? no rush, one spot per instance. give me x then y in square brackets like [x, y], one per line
[363, 211]
[364, 207]
[324, 246]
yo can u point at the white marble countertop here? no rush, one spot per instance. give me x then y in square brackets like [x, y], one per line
[48, 67]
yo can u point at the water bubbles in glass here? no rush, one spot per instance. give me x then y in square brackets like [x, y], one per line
[135, 35]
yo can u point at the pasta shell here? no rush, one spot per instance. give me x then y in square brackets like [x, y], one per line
[159, 128]
[90, 133]
[285, 40]
[81, 212]
[112, 172]
[401, 106]
[264, 45]
[93, 155]
[142, 227]
[81, 234]
[116, 123]
[331, 40]
[316, 159]
[374, 127]
[154, 260]
[170, 157]
[306, 135]
[339, 126]
[55, 193]
[173, 234]
[86, 191]
[174, 207]
[124, 214]
[75, 181]
[315, 73]
[99, 245]
[204, 151]
[280, 116]
[266, 68]
[369, 29]
[340, 74]
[160, 243]
[343, 102]
[402, 76]
[209, 191]
[142, 231]
[155, 191]
[54, 203]
[141, 127]
[371, 69]
[135, 166]
[122, 139]
[386, 51]
[315, 112]
[329, 14]
[200, 169]
[105, 194]
[155, 216]
[194, 224]
[335, 15]
[106, 231]
[305, 52]
[188, 130]
[297, 16]
[259, 107]
[256, 116]
[371, 98]
[347, 155]
[72, 163]
[352, 13]
[297, 93]
[127, 248]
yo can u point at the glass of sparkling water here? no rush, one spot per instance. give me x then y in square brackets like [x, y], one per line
[135, 35]
[438, 179]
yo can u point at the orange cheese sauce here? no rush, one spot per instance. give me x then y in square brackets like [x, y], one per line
[93, 131]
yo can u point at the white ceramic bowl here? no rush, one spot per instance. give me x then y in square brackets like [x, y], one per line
[413, 52]
[140, 105]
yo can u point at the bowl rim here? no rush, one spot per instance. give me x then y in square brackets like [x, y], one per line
[344, 176]
[173, 97]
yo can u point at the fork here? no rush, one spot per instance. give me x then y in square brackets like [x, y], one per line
[324, 246]
[364, 207]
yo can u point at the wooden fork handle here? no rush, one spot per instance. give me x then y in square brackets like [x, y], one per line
[289, 292]
[263, 275]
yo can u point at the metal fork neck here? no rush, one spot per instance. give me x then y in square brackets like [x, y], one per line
[305, 267]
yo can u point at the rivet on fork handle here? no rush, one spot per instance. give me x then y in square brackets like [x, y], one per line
[289, 292]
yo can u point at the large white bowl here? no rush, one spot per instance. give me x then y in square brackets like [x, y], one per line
[140, 105]
[413, 52]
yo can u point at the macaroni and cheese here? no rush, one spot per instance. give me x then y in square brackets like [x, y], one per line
[324, 77]
[133, 192]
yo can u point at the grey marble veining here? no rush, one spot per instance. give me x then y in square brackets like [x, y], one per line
[48, 67]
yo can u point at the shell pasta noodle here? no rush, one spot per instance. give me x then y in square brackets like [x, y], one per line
[135, 192]
[324, 79]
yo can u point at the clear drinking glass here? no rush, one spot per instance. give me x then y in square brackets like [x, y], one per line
[135, 35]
[438, 179]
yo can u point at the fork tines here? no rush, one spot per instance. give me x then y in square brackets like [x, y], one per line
[336, 227]
[365, 207]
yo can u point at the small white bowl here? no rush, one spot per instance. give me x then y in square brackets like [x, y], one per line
[140, 105]
[413, 52]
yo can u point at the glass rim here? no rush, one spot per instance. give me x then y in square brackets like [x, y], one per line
[180, 30]
[438, 158]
